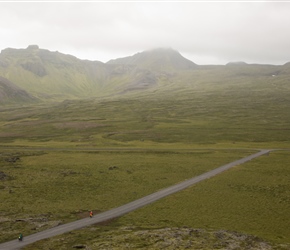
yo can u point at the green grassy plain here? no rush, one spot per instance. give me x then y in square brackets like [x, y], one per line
[61, 160]
[251, 199]
[63, 185]
[203, 108]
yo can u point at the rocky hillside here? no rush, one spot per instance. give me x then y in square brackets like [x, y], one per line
[180, 238]
[162, 238]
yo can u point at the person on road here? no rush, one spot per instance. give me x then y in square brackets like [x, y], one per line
[20, 237]
[91, 214]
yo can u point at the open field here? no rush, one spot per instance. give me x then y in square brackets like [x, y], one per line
[239, 111]
[59, 186]
[253, 198]
[57, 161]
[244, 203]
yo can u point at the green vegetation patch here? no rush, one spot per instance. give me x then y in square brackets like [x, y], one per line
[51, 187]
[99, 237]
[210, 110]
[252, 198]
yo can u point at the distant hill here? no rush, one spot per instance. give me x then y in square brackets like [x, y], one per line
[237, 63]
[157, 59]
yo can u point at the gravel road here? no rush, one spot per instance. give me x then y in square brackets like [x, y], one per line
[119, 211]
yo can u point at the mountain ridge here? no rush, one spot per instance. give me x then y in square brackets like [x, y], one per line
[53, 76]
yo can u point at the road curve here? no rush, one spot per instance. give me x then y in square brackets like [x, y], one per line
[119, 211]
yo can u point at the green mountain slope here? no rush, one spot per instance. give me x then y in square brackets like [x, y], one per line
[53, 76]
[10, 93]
[50, 75]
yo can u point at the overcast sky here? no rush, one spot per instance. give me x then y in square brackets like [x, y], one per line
[208, 32]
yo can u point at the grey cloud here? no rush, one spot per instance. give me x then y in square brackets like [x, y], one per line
[207, 33]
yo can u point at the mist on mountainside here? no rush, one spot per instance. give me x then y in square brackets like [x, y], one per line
[39, 74]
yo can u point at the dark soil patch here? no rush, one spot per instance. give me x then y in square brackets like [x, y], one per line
[3, 176]
[12, 159]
